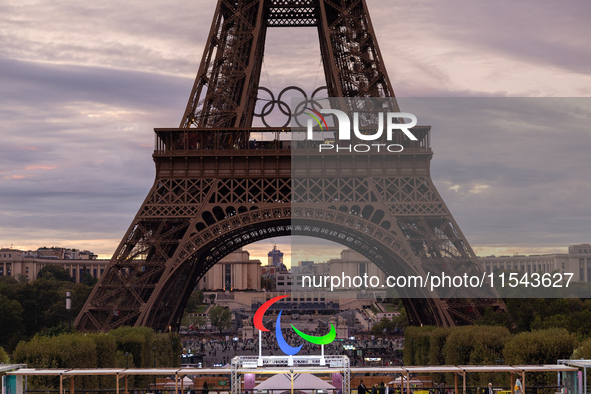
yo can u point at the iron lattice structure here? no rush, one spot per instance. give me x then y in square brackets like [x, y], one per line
[225, 90]
[216, 191]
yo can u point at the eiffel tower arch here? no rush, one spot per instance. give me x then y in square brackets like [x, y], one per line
[216, 191]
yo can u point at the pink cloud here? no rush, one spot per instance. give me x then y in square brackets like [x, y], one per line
[40, 167]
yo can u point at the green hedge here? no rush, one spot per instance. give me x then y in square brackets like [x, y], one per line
[540, 347]
[4, 359]
[477, 345]
[583, 351]
[490, 345]
[108, 350]
[417, 341]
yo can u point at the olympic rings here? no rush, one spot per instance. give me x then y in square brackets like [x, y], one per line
[284, 107]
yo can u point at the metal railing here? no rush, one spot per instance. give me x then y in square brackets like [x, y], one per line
[183, 141]
[413, 390]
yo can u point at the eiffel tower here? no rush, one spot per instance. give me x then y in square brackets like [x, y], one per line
[216, 191]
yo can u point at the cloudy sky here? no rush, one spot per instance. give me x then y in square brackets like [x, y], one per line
[82, 85]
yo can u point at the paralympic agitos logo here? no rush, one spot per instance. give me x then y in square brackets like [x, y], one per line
[283, 345]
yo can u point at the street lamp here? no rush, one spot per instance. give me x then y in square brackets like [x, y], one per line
[127, 358]
[69, 309]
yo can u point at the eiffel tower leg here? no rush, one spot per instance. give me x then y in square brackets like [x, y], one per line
[353, 63]
[427, 312]
[136, 267]
[225, 90]
[437, 244]
[184, 227]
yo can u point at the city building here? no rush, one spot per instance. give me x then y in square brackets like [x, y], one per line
[351, 264]
[576, 261]
[25, 265]
[60, 254]
[234, 272]
[579, 259]
[268, 272]
[298, 303]
[387, 315]
[530, 264]
[283, 281]
[276, 259]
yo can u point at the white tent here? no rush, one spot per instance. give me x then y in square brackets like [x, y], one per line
[304, 382]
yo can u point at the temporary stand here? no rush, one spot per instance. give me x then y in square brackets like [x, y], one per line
[272, 365]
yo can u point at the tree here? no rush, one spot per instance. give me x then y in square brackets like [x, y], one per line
[44, 303]
[21, 278]
[54, 272]
[492, 318]
[385, 325]
[4, 357]
[268, 284]
[194, 301]
[400, 321]
[193, 322]
[416, 345]
[37, 307]
[220, 317]
[438, 340]
[38, 299]
[475, 345]
[583, 351]
[126, 346]
[540, 347]
[88, 279]
[80, 294]
[11, 320]
[200, 322]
